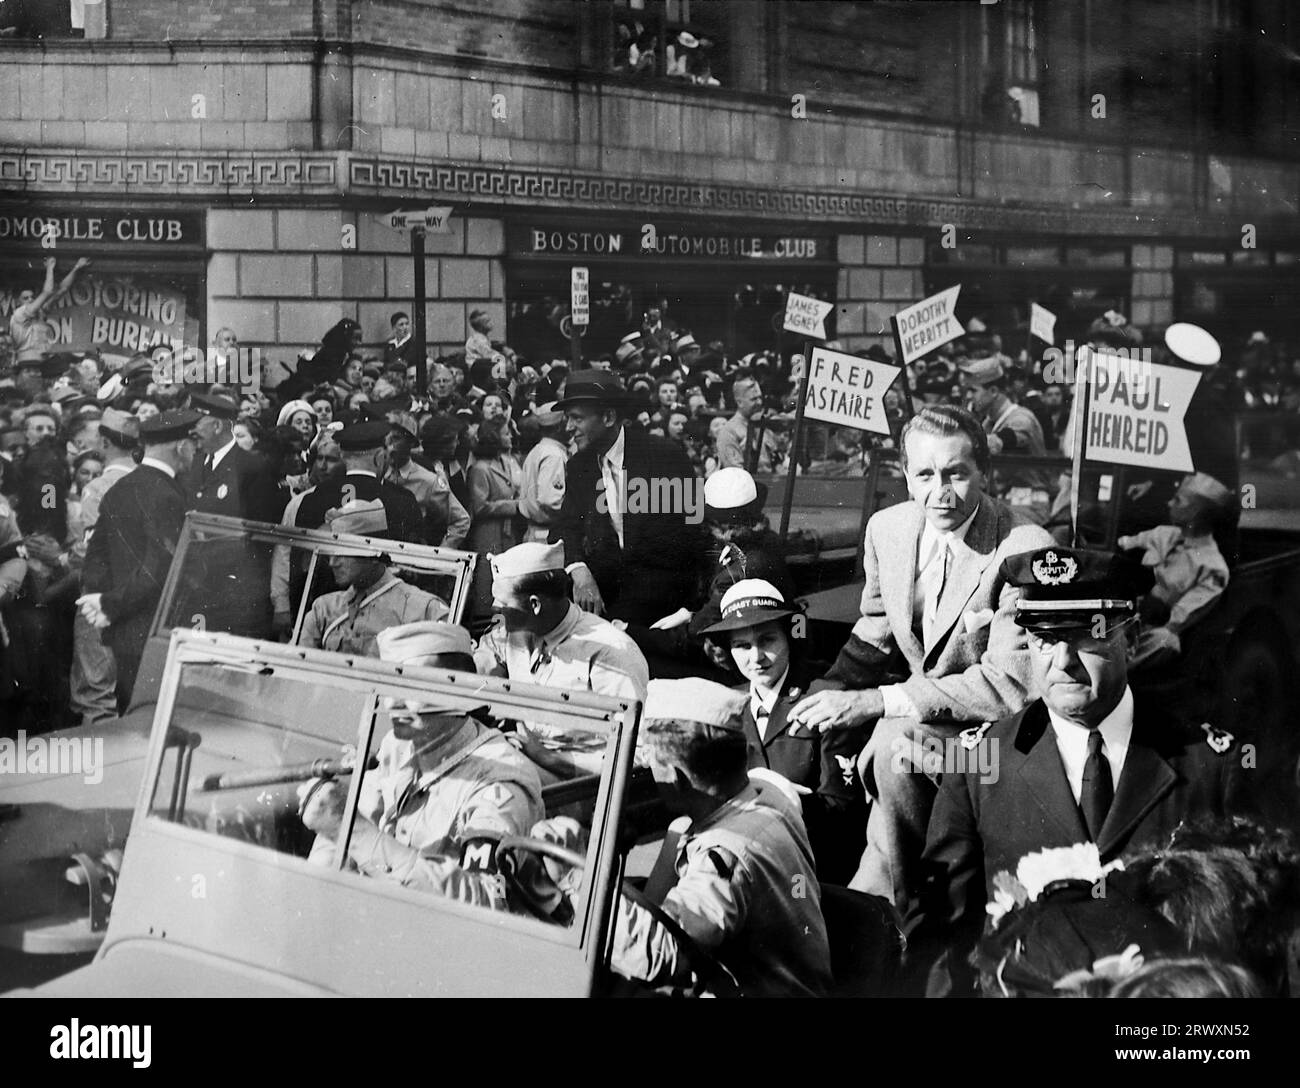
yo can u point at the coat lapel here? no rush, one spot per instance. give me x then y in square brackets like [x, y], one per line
[1143, 783]
[1043, 774]
[899, 553]
[969, 563]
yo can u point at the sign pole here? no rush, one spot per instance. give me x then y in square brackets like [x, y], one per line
[419, 332]
[1081, 392]
[788, 499]
[902, 365]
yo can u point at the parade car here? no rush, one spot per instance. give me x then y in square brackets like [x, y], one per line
[217, 895]
[61, 835]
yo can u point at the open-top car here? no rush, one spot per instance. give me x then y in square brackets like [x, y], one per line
[60, 833]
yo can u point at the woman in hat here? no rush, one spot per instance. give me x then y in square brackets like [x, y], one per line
[759, 630]
[494, 479]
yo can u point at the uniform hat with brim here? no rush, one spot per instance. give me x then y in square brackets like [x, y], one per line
[1192, 344]
[627, 352]
[360, 517]
[692, 699]
[1066, 589]
[136, 369]
[360, 437]
[748, 603]
[218, 407]
[169, 426]
[592, 387]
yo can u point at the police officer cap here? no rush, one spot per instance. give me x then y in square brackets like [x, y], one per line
[168, 426]
[208, 404]
[693, 699]
[409, 641]
[1062, 589]
[1192, 344]
[359, 437]
[530, 558]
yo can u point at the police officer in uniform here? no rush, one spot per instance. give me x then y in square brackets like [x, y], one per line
[363, 451]
[745, 890]
[130, 551]
[234, 584]
[372, 598]
[1083, 763]
[446, 788]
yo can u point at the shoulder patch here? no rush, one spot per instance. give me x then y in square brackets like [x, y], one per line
[1219, 740]
[970, 738]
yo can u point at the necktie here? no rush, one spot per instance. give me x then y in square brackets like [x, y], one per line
[933, 580]
[1098, 789]
[761, 714]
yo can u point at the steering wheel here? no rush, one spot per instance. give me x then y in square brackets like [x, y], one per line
[710, 971]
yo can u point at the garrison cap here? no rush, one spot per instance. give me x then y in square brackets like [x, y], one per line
[208, 404]
[407, 641]
[531, 557]
[168, 426]
[359, 437]
[983, 371]
[693, 699]
[1066, 588]
[360, 518]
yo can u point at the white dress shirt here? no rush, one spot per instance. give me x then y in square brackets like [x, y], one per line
[161, 466]
[216, 457]
[611, 471]
[1072, 742]
[928, 592]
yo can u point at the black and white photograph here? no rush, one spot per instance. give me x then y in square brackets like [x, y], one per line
[651, 498]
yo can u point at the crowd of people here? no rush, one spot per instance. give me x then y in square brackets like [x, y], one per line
[976, 643]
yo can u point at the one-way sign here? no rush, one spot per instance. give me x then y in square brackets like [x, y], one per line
[435, 220]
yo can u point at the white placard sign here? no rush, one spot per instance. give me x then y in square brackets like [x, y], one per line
[1042, 323]
[1135, 413]
[846, 390]
[579, 296]
[928, 324]
[806, 316]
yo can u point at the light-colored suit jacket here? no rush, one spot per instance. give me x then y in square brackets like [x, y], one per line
[976, 666]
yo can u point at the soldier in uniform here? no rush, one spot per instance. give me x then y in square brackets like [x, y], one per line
[1083, 763]
[131, 549]
[234, 586]
[542, 637]
[446, 788]
[372, 598]
[746, 891]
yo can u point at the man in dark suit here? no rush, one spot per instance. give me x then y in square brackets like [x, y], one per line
[363, 451]
[936, 646]
[131, 548]
[234, 585]
[631, 521]
[1084, 763]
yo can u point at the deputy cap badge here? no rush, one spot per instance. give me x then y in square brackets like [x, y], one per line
[1219, 740]
[1055, 570]
[970, 738]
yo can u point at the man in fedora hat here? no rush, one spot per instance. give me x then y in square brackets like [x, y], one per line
[1085, 762]
[130, 551]
[627, 562]
[447, 787]
[371, 598]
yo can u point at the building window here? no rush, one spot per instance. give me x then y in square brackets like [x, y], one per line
[670, 39]
[1011, 59]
